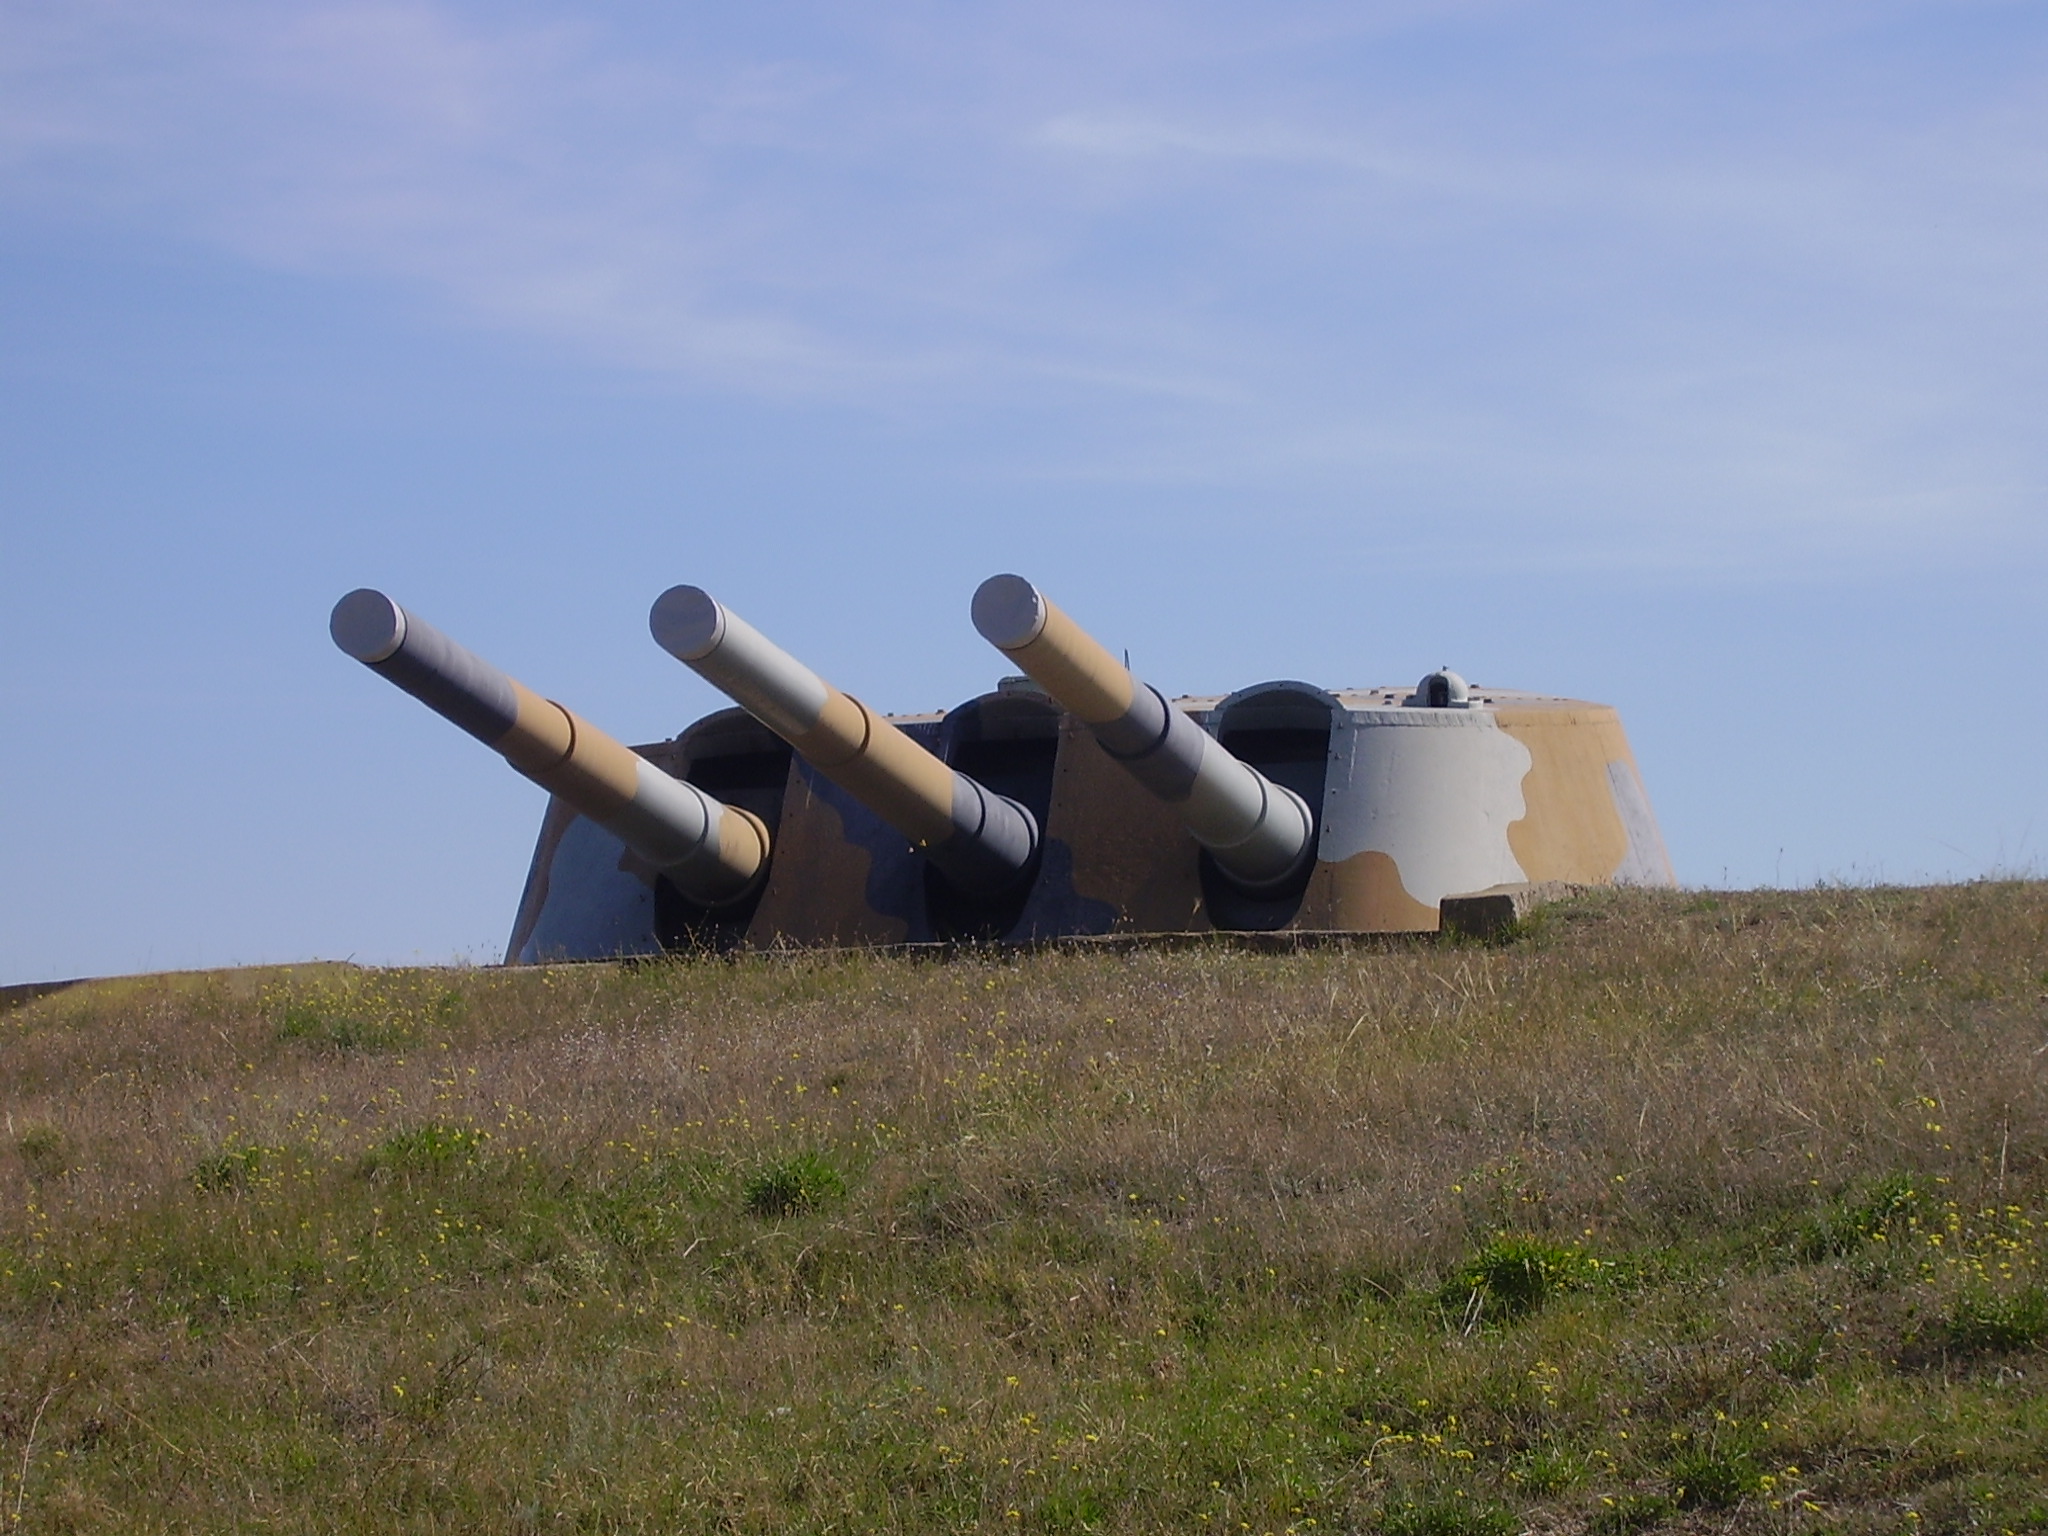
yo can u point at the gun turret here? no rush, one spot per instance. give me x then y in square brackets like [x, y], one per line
[982, 842]
[712, 852]
[1260, 834]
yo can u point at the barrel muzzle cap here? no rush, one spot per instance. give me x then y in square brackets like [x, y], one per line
[1008, 611]
[687, 622]
[368, 626]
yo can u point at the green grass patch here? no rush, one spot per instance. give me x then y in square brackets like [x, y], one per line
[1986, 1322]
[428, 1148]
[1887, 1206]
[1713, 1476]
[1454, 1514]
[1620, 1514]
[45, 1152]
[364, 1012]
[1513, 1275]
[792, 1185]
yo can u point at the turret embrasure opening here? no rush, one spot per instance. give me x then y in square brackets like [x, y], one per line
[1283, 730]
[732, 756]
[1007, 742]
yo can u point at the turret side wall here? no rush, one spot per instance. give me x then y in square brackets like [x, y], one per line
[586, 900]
[1417, 807]
[839, 874]
[1117, 858]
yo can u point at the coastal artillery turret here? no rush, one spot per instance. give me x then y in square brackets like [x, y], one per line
[1071, 801]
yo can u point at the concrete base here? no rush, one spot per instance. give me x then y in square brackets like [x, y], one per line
[1489, 913]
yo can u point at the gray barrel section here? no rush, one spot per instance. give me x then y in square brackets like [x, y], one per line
[983, 843]
[1261, 834]
[715, 854]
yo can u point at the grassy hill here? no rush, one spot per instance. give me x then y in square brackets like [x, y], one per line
[1677, 1212]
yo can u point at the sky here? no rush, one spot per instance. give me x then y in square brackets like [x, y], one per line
[1692, 359]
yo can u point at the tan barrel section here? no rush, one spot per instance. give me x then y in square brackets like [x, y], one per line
[1056, 653]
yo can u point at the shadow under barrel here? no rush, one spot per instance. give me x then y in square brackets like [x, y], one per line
[982, 843]
[713, 853]
[1260, 834]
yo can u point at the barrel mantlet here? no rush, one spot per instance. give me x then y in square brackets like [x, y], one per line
[1412, 804]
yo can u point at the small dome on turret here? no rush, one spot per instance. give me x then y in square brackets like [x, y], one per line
[1442, 689]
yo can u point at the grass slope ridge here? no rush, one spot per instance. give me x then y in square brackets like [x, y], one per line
[1678, 1212]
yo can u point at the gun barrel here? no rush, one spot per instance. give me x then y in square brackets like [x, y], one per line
[1260, 833]
[984, 843]
[712, 852]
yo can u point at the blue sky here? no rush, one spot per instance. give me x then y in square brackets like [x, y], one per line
[1688, 358]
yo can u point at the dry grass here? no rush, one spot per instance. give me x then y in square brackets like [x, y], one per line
[1701, 1213]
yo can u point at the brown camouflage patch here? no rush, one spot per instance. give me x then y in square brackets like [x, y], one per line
[1570, 829]
[1363, 894]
